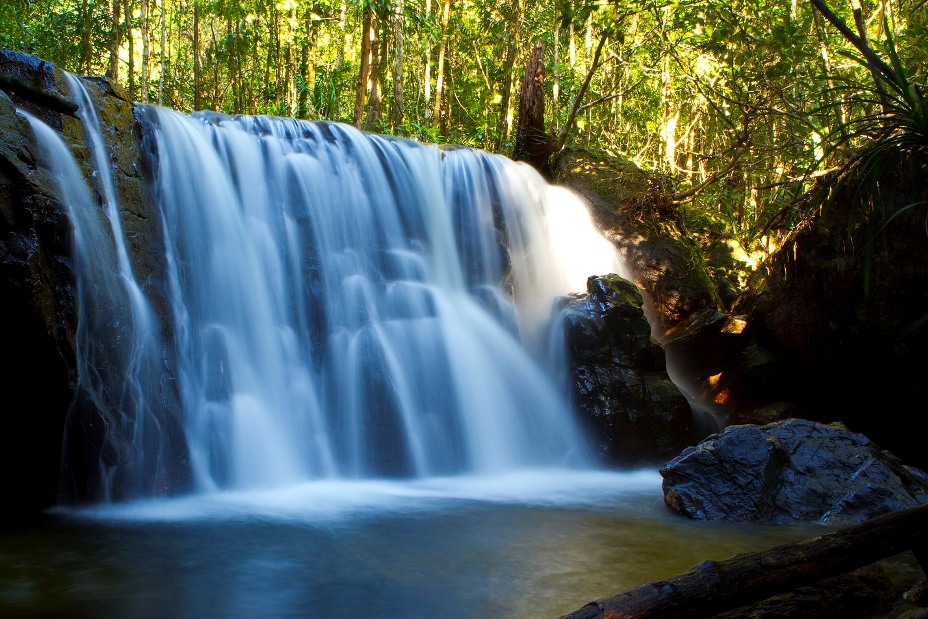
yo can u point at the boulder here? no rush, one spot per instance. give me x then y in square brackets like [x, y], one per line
[619, 378]
[788, 471]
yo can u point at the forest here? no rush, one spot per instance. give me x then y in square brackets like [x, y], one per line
[739, 106]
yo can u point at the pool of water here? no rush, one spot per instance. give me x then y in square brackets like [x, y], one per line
[537, 544]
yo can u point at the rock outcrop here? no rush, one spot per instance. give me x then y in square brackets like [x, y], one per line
[38, 319]
[795, 470]
[620, 384]
[632, 209]
[37, 314]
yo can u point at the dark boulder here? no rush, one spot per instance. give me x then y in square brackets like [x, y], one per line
[620, 383]
[794, 470]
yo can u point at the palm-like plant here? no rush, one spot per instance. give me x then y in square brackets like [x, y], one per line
[878, 144]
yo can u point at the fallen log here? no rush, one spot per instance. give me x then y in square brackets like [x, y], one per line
[714, 587]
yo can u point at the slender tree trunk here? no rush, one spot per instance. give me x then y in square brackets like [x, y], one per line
[427, 79]
[375, 100]
[230, 65]
[365, 66]
[502, 130]
[398, 65]
[556, 86]
[130, 39]
[143, 26]
[440, 69]
[289, 79]
[112, 70]
[273, 59]
[84, 53]
[197, 101]
[670, 117]
[162, 55]
[307, 54]
[446, 113]
[340, 52]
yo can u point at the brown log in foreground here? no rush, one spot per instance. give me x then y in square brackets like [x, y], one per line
[717, 586]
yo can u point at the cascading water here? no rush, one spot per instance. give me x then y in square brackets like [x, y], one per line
[341, 305]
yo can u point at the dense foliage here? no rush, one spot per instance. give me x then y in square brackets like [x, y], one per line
[740, 104]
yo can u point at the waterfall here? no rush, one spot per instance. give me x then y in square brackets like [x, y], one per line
[339, 305]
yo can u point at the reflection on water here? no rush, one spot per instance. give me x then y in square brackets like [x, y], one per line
[525, 546]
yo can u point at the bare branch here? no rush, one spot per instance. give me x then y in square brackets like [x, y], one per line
[691, 193]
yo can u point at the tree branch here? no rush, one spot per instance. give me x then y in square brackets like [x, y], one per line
[565, 130]
[690, 193]
[875, 63]
[609, 97]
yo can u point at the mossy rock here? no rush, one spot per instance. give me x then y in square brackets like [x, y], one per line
[633, 208]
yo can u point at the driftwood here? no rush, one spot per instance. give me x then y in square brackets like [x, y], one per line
[714, 587]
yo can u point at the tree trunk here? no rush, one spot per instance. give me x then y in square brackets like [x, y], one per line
[532, 144]
[162, 55]
[378, 58]
[440, 69]
[143, 26]
[427, 78]
[302, 92]
[197, 102]
[84, 53]
[365, 66]
[714, 587]
[112, 70]
[398, 66]
[131, 41]
[511, 49]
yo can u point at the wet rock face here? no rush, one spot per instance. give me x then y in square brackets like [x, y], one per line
[619, 377]
[37, 314]
[38, 320]
[794, 470]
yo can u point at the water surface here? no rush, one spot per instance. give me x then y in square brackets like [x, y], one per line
[525, 545]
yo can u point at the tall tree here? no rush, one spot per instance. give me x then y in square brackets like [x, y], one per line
[112, 70]
[143, 27]
[365, 64]
[512, 45]
[440, 69]
[398, 52]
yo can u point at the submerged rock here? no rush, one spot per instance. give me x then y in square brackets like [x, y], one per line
[620, 382]
[794, 470]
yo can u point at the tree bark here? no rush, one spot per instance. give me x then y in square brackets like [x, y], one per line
[197, 100]
[532, 144]
[365, 66]
[112, 70]
[714, 587]
[440, 69]
[130, 79]
[398, 51]
[143, 27]
[515, 16]
[378, 57]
